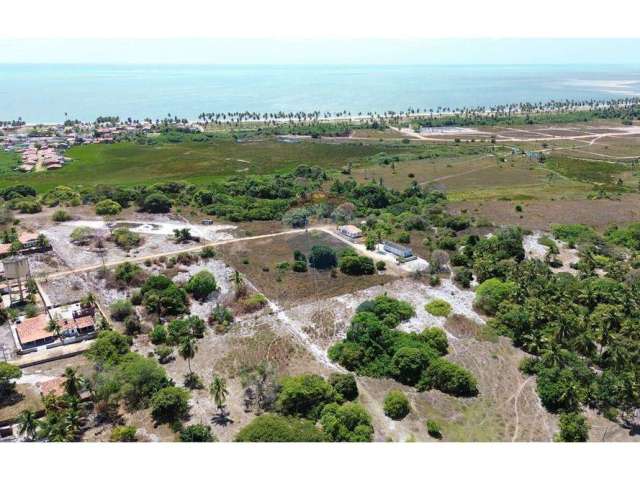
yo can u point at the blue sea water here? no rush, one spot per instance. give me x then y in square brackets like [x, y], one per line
[43, 93]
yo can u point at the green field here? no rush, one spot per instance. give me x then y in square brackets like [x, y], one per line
[7, 162]
[203, 162]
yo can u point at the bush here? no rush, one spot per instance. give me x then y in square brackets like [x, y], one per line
[158, 335]
[121, 309]
[164, 353]
[61, 216]
[381, 265]
[346, 423]
[108, 207]
[299, 266]
[403, 237]
[208, 252]
[81, 235]
[438, 308]
[197, 433]
[357, 265]
[125, 238]
[396, 405]
[202, 284]
[391, 311]
[108, 348]
[123, 433]
[276, 428]
[573, 428]
[170, 404]
[28, 206]
[305, 396]
[254, 302]
[157, 203]
[322, 257]
[436, 338]
[408, 364]
[463, 276]
[8, 373]
[433, 429]
[126, 272]
[345, 384]
[492, 292]
[448, 378]
[162, 296]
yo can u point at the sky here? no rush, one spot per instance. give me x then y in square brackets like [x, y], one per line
[331, 31]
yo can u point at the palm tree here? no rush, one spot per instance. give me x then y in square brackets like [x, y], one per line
[27, 424]
[219, 392]
[72, 383]
[54, 327]
[187, 349]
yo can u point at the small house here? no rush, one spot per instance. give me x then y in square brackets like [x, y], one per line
[350, 231]
[398, 250]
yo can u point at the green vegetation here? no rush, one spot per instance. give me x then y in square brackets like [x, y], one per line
[169, 404]
[323, 257]
[276, 428]
[345, 384]
[8, 373]
[374, 348]
[61, 216]
[349, 422]
[162, 296]
[396, 405]
[305, 396]
[201, 285]
[353, 264]
[438, 308]
[602, 173]
[197, 433]
[108, 207]
[491, 293]
[123, 433]
[573, 428]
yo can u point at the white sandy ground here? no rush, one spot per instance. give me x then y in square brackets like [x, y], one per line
[533, 250]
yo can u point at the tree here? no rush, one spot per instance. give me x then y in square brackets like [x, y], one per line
[396, 405]
[491, 293]
[345, 384]
[357, 265]
[187, 350]
[197, 433]
[27, 424]
[72, 384]
[448, 378]
[54, 327]
[323, 257]
[121, 309]
[108, 348]
[276, 428]
[219, 392]
[202, 284]
[182, 235]
[305, 396]
[573, 428]
[170, 404]
[8, 373]
[157, 203]
[349, 422]
[408, 363]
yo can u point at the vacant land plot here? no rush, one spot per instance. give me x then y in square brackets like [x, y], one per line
[8, 161]
[258, 260]
[540, 214]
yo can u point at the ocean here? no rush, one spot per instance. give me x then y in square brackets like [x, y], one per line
[44, 93]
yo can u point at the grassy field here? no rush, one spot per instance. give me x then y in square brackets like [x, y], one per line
[128, 164]
[7, 162]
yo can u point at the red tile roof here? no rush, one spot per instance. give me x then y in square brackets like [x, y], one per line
[33, 329]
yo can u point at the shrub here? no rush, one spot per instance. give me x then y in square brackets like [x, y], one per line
[436, 338]
[305, 396]
[202, 284]
[299, 266]
[357, 265]
[438, 308]
[391, 311]
[170, 404]
[108, 348]
[126, 272]
[492, 292]
[322, 257]
[108, 207]
[345, 384]
[158, 335]
[61, 216]
[157, 203]
[346, 423]
[573, 428]
[276, 428]
[164, 353]
[208, 252]
[121, 309]
[8, 373]
[254, 302]
[463, 277]
[396, 405]
[197, 433]
[433, 429]
[125, 238]
[408, 364]
[81, 235]
[448, 378]
[403, 237]
[124, 433]
[28, 206]
[162, 296]
[30, 310]
[381, 265]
